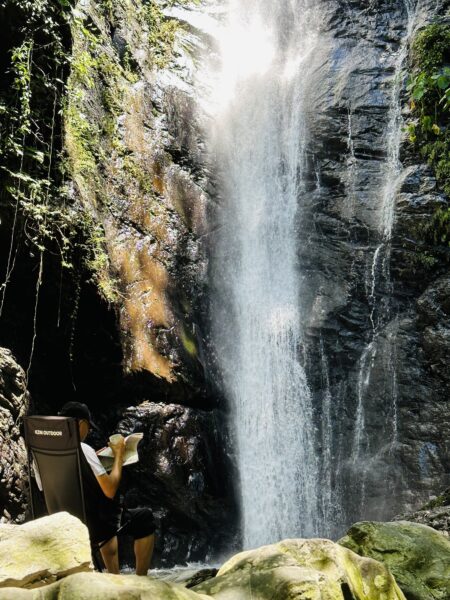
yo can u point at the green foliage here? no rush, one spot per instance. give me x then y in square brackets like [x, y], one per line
[162, 34]
[97, 259]
[108, 7]
[162, 29]
[60, 66]
[40, 112]
[440, 227]
[429, 90]
[31, 90]
[431, 47]
[95, 80]
[21, 67]
[442, 500]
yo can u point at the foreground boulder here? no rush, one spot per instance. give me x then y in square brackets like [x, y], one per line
[302, 570]
[417, 555]
[14, 401]
[102, 586]
[42, 551]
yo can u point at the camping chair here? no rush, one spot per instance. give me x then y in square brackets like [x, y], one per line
[53, 443]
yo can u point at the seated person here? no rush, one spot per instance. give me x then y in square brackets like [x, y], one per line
[103, 514]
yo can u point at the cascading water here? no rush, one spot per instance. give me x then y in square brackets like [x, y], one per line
[259, 139]
[379, 281]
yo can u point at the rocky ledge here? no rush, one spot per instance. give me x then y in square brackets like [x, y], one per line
[435, 513]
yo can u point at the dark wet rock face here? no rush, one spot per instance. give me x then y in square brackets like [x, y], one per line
[182, 477]
[14, 401]
[145, 194]
[375, 312]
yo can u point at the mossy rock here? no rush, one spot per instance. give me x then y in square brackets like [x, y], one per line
[302, 570]
[417, 555]
[42, 551]
[102, 586]
[441, 500]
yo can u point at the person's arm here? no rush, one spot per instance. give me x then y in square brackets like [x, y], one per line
[109, 482]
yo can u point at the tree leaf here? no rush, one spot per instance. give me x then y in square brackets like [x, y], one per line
[442, 82]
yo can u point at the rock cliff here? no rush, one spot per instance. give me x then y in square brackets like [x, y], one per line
[121, 320]
[374, 341]
[126, 323]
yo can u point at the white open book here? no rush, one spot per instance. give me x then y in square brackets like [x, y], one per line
[130, 456]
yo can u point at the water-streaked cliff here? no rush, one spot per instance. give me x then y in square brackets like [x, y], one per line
[214, 237]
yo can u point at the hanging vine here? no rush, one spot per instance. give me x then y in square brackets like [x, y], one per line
[32, 176]
[39, 217]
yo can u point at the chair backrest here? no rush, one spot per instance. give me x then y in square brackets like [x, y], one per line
[53, 444]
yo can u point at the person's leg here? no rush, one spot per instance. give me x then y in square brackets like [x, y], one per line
[143, 550]
[110, 555]
[139, 523]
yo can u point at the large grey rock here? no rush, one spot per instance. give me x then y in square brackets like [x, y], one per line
[14, 400]
[102, 586]
[147, 192]
[301, 570]
[42, 551]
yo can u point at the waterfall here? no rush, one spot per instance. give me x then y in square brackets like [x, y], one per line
[259, 138]
[393, 165]
[379, 281]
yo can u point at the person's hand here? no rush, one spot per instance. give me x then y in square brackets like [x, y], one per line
[117, 445]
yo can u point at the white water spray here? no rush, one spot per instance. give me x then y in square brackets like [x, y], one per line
[349, 207]
[394, 167]
[380, 278]
[259, 139]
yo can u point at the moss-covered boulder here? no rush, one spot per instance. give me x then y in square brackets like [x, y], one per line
[302, 570]
[42, 551]
[102, 586]
[417, 555]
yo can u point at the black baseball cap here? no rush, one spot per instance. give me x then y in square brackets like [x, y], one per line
[78, 410]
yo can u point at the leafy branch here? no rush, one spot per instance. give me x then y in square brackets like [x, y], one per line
[429, 92]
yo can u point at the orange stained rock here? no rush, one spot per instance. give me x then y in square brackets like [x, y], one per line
[158, 183]
[157, 167]
[145, 281]
[134, 131]
[145, 357]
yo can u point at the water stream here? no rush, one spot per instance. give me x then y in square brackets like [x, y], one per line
[379, 283]
[259, 138]
[259, 78]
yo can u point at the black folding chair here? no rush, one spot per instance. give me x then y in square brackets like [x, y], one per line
[53, 444]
